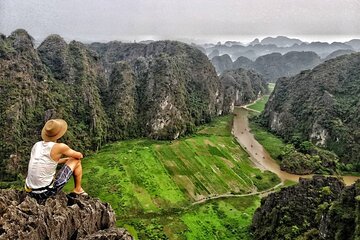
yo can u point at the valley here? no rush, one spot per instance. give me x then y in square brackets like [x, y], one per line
[187, 188]
[204, 186]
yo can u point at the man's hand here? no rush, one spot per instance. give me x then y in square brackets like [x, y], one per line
[63, 160]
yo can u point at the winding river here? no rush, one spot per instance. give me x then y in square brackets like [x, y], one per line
[258, 155]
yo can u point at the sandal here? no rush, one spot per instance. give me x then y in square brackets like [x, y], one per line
[83, 193]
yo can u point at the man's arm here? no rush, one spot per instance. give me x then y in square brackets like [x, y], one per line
[61, 149]
[67, 151]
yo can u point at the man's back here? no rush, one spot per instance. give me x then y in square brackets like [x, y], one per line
[42, 167]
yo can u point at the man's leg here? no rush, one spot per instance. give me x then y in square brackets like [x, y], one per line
[76, 167]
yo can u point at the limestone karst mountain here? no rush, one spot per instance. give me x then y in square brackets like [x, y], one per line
[240, 87]
[222, 63]
[321, 105]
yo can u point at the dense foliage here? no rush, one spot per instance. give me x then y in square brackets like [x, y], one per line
[319, 208]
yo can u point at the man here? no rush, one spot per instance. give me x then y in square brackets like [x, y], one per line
[41, 182]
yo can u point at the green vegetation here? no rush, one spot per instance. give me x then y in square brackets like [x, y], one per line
[272, 143]
[259, 105]
[152, 184]
[271, 87]
[296, 156]
[315, 207]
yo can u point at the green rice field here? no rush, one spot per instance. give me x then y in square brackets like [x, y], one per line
[154, 186]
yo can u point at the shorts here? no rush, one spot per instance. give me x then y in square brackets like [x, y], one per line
[62, 177]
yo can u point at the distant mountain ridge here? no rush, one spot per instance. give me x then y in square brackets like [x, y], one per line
[271, 66]
[280, 44]
[281, 41]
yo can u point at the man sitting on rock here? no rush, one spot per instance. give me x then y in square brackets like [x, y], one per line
[41, 182]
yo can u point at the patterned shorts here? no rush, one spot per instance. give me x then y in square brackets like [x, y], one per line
[61, 179]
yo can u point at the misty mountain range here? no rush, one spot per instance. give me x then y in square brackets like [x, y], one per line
[276, 64]
[278, 44]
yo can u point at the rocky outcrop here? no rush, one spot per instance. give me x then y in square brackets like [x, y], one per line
[318, 208]
[240, 87]
[321, 105]
[60, 217]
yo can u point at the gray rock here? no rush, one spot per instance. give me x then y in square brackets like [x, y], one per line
[59, 217]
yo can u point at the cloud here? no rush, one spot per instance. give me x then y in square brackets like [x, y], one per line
[134, 19]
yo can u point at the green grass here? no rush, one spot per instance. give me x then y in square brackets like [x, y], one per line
[271, 87]
[152, 184]
[272, 143]
[260, 104]
[225, 219]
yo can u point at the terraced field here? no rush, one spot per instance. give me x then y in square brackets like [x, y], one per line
[152, 184]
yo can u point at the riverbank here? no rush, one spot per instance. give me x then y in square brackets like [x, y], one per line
[258, 155]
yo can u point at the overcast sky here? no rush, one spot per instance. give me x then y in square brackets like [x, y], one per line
[200, 20]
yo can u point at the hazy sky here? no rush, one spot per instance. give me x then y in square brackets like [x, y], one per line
[201, 20]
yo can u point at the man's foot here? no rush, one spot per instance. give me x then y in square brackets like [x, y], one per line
[81, 192]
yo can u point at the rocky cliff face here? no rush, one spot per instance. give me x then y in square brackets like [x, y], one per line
[106, 92]
[60, 217]
[321, 105]
[240, 87]
[176, 86]
[318, 208]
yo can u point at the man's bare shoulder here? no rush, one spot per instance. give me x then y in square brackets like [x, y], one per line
[61, 147]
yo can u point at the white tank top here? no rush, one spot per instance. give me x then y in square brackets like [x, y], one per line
[42, 167]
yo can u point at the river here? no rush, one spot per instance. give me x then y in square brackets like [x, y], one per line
[258, 155]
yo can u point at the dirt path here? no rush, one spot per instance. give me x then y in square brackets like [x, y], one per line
[267, 191]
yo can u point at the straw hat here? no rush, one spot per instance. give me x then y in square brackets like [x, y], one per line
[53, 130]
